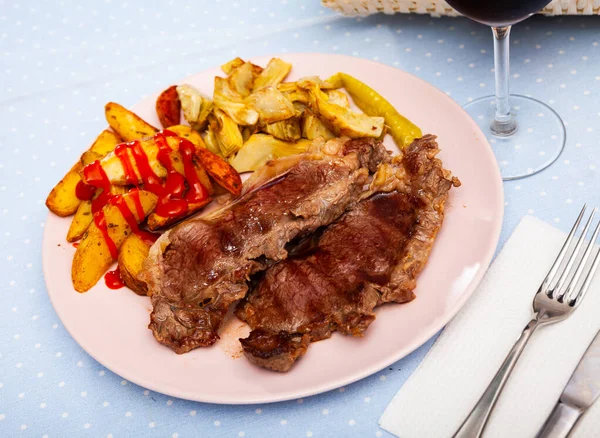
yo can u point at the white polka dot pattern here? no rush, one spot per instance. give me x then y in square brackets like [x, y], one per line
[59, 64]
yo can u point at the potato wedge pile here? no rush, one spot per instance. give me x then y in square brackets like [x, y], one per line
[109, 214]
[132, 254]
[136, 179]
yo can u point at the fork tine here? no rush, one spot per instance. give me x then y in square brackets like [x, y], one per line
[588, 280]
[565, 273]
[561, 254]
[567, 296]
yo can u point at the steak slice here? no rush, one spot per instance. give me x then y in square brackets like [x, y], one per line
[370, 256]
[196, 270]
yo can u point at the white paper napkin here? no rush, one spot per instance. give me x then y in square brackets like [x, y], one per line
[444, 388]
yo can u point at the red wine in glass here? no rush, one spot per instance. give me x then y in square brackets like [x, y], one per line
[498, 13]
[507, 119]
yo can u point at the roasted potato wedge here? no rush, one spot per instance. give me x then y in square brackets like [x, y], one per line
[168, 107]
[132, 254]
[81, 221]
[104, 145]
[93, 256]
[204, 178]
[106, 142]
[113, 167]
[62, 200]
[188, 133]
[89, 157]
[156, 222]
[222, 172]
[84, 217]
[126, 123]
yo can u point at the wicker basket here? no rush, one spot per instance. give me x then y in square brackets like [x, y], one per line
[440, 7]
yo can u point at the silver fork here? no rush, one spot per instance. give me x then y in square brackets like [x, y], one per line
[553, 302]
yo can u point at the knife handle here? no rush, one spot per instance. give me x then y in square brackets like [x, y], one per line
[560, 422]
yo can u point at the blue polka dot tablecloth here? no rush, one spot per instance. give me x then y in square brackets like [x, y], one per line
[60, 61]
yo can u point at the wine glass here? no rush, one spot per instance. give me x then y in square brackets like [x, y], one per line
[526, 135]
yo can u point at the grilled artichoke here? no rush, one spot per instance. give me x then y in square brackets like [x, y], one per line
[231, 102]
[261, 148]
[340, 120]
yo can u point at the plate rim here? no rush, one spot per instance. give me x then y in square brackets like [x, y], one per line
[421, 339]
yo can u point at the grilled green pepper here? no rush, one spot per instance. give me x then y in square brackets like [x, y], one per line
[372, 103]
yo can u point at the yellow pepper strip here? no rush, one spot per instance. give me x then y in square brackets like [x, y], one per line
[373, 104]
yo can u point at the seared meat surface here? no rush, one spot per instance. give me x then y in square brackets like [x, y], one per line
[196, 270]
[370, 256]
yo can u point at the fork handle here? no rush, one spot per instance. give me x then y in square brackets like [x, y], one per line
[474, 424]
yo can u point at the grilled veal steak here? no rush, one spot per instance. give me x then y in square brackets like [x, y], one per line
[198, 269]
[370, 256]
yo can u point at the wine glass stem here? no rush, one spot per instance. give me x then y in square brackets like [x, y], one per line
[503, 123]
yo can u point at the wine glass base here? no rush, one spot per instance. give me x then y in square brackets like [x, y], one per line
[536, 143]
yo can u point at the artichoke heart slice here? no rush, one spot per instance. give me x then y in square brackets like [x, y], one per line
[242, 78]
[342, 121]
[287, 130]
[227, 133]
[232, 103]
[313, 128]
[210, 140]
[261, 148]
[273, 74]
[228, 67]
[195, 106]
[338, 97]
[271, 105]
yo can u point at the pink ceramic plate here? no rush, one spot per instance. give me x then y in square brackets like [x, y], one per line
[111, 325]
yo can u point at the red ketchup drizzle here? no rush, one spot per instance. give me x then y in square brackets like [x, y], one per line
[173, 195]
[170, 198]
[113, 279]
[167, 133]
[84, 191]
[95, 176]
[149, 178]
[130, 175]
[75, 244]
[101, 224]
[196, 190]
[120, 203]
[135, 196]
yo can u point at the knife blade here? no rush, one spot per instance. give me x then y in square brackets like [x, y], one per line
[581, 392]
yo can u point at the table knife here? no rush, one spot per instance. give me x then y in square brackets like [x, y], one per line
[580, 393]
